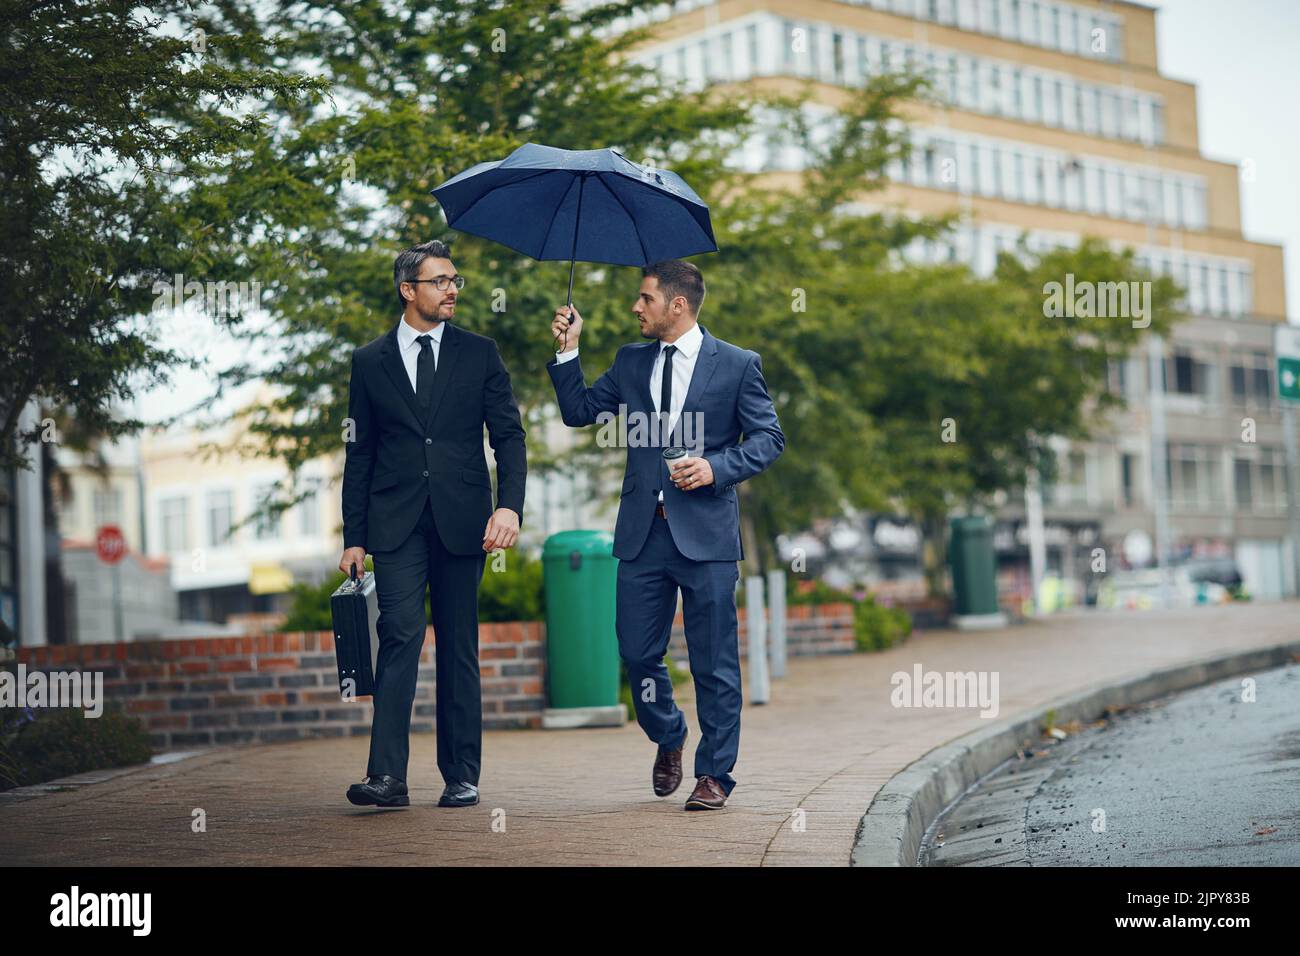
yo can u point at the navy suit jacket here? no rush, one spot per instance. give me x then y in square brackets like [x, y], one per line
[728, 390]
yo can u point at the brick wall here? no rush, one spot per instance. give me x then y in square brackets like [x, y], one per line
[274, 687]
[809, 629]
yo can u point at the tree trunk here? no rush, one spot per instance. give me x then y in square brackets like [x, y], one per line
[934, 552]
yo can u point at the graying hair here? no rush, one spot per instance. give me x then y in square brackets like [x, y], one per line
[407, 266]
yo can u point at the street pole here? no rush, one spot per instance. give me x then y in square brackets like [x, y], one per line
[1159, 461]
[1037, 536]
[776, 608]
[1292, 491]
[1159, 434]
[118, 627]
[760, 687]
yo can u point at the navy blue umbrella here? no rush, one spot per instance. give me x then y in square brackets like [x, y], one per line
[592, 205]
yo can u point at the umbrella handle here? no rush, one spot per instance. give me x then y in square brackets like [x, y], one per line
[565, 334]
[573, 253]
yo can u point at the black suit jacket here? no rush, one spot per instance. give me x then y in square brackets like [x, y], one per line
[400, 452]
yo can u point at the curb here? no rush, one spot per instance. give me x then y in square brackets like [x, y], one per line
[91, 777]
[890, 832]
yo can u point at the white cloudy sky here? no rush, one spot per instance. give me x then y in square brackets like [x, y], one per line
[1244, 57]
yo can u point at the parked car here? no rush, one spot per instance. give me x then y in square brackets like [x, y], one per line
[1222, 571]
[1140, 590]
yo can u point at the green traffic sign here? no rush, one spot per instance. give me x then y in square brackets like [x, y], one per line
[1288, 378]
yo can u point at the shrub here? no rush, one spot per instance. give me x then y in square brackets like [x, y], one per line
[37, 745]
[876, 627]
[310, 610]
[513, 594]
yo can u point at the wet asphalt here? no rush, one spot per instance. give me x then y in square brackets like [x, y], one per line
[1207, 777]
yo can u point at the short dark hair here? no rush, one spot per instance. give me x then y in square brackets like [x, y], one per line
[677, 277]
[407, 266]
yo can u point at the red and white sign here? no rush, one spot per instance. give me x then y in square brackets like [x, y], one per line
[109, 544]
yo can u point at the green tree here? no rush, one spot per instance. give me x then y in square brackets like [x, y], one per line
[866, 355]
[419, 94]
[110, 116]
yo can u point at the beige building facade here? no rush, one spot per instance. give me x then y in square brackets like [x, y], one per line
[1054, 123]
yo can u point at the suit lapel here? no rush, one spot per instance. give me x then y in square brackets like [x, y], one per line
[391, 360]
[705, 363]
[643, 369]
[447, 365]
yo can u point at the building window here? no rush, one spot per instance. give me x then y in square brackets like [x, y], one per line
[1127, 483]
[107, 506]
[1252, 381]
[266, 525]
[1193, 477]
[1260, 482]
[1190, 376]
[221, 516]
[1241, 481]
[173, 523]
[1071, 487]
[309, 514]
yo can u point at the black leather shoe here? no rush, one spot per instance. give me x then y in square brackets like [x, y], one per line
[459, 795]
[381, 791]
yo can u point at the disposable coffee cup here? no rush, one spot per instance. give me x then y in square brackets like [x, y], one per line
[672, 454]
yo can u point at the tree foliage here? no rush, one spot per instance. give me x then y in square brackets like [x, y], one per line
[109, 117]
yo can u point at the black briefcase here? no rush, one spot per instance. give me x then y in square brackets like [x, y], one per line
[355, 610]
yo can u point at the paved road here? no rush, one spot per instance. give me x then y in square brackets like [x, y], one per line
[1200, 778]
[824, 745]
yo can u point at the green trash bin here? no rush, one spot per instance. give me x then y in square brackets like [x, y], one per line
[974, 569]
[580, 576]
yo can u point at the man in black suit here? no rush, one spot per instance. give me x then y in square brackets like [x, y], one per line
[417, 495]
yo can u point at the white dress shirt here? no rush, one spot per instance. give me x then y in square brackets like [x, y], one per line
[410, 348]
[688, 349]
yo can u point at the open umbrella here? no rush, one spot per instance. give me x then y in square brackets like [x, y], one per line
[592, 205]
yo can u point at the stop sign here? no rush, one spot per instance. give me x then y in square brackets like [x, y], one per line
[109, 544]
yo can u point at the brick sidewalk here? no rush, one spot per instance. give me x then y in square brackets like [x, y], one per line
[825, 744]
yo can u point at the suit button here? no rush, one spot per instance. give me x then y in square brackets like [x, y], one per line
[428, 441]
[425, 474]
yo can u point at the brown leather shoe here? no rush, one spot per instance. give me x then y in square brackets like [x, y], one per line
[667, 773]
[708, 795]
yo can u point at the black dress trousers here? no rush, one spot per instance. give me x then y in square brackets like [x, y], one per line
[401, 578]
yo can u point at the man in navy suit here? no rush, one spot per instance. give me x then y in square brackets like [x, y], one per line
[679, 529]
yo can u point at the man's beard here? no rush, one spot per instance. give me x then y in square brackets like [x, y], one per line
[432, 317]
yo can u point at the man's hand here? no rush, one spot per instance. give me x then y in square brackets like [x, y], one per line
[691, 473]
[502, 530]
[566, 328]
[353, 557]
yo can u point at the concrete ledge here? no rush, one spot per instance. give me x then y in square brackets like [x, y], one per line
[979, 622]
[567, 718]
[890, 832]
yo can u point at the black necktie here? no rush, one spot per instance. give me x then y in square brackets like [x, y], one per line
[424, 369]
[666, 386]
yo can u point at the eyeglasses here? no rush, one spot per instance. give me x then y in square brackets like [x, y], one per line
[440, 283]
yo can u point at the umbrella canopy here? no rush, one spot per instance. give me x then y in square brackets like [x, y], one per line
[589, 205]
